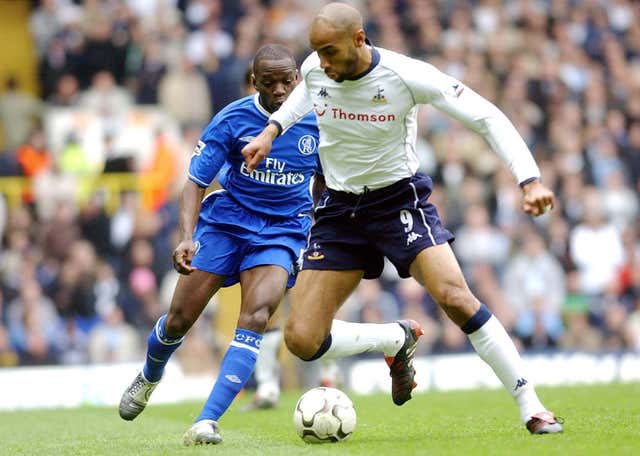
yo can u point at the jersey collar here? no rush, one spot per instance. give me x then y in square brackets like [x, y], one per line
[375, 59]
[256, 101]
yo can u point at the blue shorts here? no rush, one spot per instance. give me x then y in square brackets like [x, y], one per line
[230, 239]
[357, 231]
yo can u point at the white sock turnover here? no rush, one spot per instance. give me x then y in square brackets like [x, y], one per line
[353, 338]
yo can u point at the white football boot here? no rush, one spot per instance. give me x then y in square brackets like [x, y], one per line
[202, 432]
[135, 397]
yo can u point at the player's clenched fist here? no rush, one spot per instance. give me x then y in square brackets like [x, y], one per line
[182, 256]
[537, 198]
[258, 148]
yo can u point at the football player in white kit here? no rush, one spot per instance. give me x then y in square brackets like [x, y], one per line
[376, 205]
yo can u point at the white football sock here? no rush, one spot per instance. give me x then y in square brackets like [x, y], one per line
[496, 348]
[267, 366]
[353, 338]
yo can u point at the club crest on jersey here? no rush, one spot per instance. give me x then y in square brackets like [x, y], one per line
[307, 145]
[378, 97]
[198, 149]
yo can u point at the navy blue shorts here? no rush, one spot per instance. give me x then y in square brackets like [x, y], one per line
[357, 231]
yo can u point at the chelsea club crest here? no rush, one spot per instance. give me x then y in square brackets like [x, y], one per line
[307, 145]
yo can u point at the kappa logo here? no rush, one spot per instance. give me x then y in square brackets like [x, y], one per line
[412, 237]
[322, 93]
[520, 383]
[307, 145]
[199, 147]
[456, 89]
[233, 378]
[378, 97]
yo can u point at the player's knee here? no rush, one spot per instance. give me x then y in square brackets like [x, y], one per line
[300, 340]
[177, 324]
[454, 298]
[255, 321]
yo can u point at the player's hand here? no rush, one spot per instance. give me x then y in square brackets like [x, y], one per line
[257, 149]
[182, 256]
[537, 199]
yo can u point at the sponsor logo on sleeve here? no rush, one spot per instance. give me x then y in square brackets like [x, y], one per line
[199, 147]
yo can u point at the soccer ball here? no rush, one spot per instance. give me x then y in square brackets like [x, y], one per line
[324, 415]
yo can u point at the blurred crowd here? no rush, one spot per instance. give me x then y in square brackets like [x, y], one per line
[79, 284]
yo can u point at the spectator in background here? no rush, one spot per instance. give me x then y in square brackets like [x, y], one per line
[210, 41]
[66, 93]
[113, 340]
[184, 94]
[596, 250]
[34, 325]
[479, 242]
[151, 72]
[106, 99]
[158, 176]
[20, 113]
[370, 304]
[417, 305]
[579, 334]
[33, 156]
[534, 283]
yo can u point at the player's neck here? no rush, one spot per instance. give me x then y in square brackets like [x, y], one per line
[264, 106]
[364, 60]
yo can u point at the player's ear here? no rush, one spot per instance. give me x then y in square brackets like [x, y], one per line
[359, 38]
[253, 81]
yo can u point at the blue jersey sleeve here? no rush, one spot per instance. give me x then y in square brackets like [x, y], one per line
[210, 153]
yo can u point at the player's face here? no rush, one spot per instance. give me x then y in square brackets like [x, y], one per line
[337, 52]
[274, 80]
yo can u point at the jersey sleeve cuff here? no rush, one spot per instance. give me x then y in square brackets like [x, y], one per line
[277, 124]
[528, 181]
[198, 181]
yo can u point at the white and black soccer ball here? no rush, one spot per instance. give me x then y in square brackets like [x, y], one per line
[324, 415]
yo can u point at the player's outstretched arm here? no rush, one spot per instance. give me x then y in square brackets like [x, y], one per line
[537, 199]
[190, 203]
[259, 148]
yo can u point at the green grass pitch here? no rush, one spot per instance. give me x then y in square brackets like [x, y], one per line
[599, 420]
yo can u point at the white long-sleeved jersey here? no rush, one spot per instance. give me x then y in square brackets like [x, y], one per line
[368, 125]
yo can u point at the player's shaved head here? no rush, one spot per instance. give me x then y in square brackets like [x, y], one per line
[272, 52]
[344, 19]
[338, 37]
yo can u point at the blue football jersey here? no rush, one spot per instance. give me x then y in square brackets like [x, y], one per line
[280, 185]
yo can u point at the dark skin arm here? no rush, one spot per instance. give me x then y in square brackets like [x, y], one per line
[190, 203]
[318, 187]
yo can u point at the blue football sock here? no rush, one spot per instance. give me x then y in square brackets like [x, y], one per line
[235, 370]
[160, 347]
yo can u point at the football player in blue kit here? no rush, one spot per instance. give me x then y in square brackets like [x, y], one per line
[251, 231]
